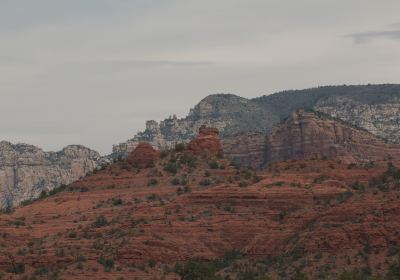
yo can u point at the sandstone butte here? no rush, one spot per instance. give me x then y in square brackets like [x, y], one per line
[143, 154]
[315, 217]
[206, 142]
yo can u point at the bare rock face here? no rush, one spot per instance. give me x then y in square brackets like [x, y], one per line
[26, 171]
[206, 142]
[143, 154]
[306, 136]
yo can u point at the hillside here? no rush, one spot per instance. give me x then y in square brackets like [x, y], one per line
[188, 212]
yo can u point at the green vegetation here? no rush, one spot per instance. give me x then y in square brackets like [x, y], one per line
[213, 165]
[180, 147]
[152, 182]
[175, 181]
[100, 221]
[205, 182]
[108, 264]
[171, 167]
[16, 268]
[117, 201]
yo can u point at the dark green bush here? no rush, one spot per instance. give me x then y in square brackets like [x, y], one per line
[116, 201]
[100, 221]
[171, 167]
[213, 165]
[152, 182]
[180, 147]
[175, 181]
[205, 182]
[16, 268]
[108, 264]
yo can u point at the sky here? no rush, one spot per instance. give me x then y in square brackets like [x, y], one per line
[92, 72]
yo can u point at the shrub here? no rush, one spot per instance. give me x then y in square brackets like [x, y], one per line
[152, 197]
[175, 181]
[116, 201]
[213, 165]
[100, 221]
[171, 167]
[16, 268]
[205, 182]
[108, 264]
[72, 233]
[189, 160]
[152, 182]
[164, 153]
[179, 147]
[150, 164]
[358, 186]
[152, 263]
[43, 194]
[196, 270]
[393, 250]
[179, 191]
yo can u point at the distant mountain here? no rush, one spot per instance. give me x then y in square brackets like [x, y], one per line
[26, 171]
[375, 108]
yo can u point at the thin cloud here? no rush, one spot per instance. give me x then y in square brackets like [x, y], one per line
[148, 63]
[366, 37]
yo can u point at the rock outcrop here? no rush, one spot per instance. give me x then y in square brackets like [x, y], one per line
[143, 154]
[26, 171]
[306, 136]
[207, 141]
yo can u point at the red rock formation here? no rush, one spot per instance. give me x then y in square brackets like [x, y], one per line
[143, 154]
[306, 136]
[206, 142]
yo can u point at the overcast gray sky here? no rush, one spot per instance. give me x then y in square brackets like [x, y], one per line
[92, 71]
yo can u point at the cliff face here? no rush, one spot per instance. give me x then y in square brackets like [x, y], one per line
[306, 136]
[25, 170]
[375, 108]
